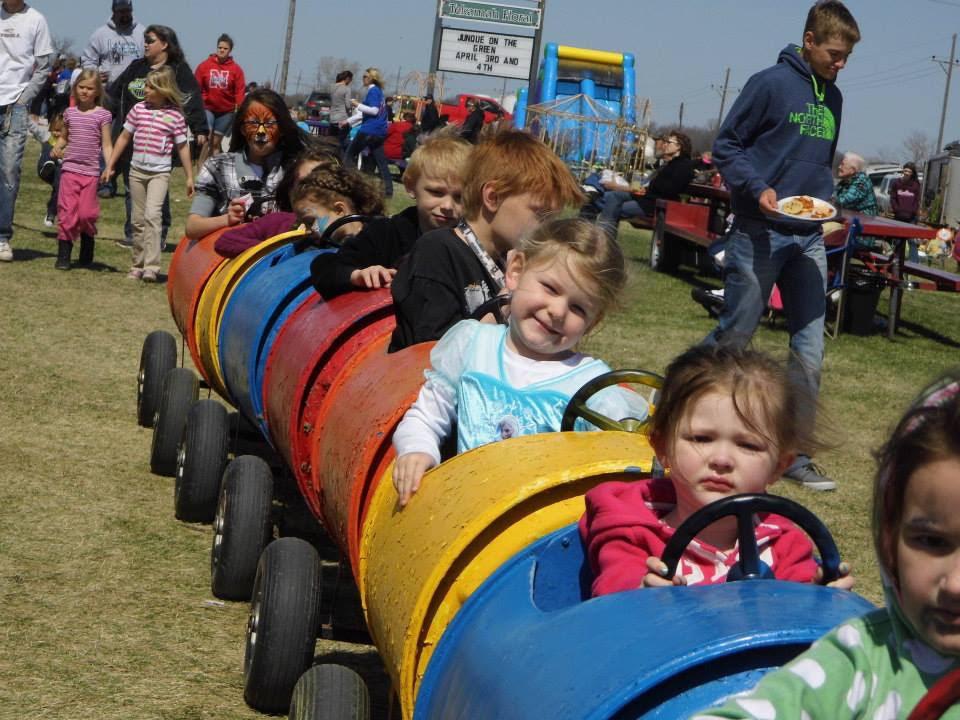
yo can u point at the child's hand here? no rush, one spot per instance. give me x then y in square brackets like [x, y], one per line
[655, 578]
[408, 470]
[106, 175]
[56, 152]
[190, 188]
[236, 212]
[375, 276]
[844, 582]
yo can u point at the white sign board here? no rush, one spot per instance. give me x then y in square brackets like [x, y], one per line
[484, 53]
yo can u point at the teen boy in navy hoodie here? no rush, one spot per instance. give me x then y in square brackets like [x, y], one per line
[779, 140]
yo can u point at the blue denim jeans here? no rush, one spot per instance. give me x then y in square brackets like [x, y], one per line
[13, 139]
[757, 256]
[375, 145]
[617, 205]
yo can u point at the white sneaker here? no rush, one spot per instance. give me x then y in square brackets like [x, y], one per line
[6, 252]
[49, 220]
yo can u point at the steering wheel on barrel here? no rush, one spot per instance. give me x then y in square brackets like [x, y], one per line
[494, 305]
[744, 507]
[577, 407]
[326, 239]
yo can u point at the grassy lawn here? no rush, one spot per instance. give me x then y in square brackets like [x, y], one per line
[109, 612]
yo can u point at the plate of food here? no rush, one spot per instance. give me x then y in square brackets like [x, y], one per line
[804, 207]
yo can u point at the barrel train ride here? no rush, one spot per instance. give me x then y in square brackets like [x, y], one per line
[477, 594]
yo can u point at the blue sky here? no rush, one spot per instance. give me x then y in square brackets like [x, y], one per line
[891, 87]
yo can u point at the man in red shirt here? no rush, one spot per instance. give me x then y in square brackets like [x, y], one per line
[223, 88]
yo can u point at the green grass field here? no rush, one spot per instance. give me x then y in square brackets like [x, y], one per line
[109, 612]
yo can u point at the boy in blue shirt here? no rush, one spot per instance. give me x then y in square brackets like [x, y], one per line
[779, 140]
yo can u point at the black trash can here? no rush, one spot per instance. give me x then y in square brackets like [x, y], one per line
[863, 293]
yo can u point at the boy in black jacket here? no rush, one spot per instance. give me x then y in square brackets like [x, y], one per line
[511, 183]
[433, 178]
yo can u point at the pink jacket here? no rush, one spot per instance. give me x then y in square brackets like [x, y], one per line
[622, 528]
[236, 240]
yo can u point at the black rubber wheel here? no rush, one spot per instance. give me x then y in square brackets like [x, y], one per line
[201, 459]
[241, 527]
[180, 391]
[330, 692]
[283, 623]
[157, 358]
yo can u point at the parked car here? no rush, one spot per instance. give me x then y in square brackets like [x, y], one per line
[318, 106]
[456, 108]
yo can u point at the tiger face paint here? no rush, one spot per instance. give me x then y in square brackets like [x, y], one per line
[261, 130]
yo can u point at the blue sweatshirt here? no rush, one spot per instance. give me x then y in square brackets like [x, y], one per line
[374, 124]
[781, 133]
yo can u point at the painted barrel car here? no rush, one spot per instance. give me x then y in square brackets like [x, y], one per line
[476, 594]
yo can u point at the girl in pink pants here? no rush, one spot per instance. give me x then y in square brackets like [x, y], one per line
[85, 137]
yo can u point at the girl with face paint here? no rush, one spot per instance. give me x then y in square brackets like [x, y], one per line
[243, 183]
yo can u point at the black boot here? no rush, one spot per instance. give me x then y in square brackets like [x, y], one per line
[86, 251]
[64, 249]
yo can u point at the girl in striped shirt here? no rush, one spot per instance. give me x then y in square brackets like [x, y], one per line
[86, 133]
[157, 127]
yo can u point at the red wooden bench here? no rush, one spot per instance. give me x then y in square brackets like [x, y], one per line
[686, 221]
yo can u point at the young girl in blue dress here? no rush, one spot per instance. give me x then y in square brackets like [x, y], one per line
[499, 381]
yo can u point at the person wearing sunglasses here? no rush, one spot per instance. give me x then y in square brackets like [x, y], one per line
[247, 181]
[161, 47]
[619, 202]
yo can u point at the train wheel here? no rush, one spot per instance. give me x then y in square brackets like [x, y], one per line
[330, 692]
[241, 528]
[283, 623]
[180, 390]
[157, 358]
[201, 458]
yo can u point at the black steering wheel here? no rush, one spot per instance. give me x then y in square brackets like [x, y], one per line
[326, 239]
[744, 507]
[494, 305]
[577, 407]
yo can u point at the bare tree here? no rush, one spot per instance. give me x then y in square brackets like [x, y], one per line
[62, 46]
[918, 147]
[328, 67]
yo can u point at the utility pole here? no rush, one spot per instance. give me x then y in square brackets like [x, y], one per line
[946, 90]
[286, 48]
[681, 117]
[723, 96]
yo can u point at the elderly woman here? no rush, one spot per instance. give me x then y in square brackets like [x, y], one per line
[854, 190]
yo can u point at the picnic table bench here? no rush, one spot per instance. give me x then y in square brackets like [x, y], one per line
[698, 223]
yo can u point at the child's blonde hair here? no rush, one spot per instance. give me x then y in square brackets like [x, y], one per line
[165, 83]
[590, 254]
[928, 431]
[767, 397]
[515, 162]
[329, 183]
[442, 156]
[89, 75]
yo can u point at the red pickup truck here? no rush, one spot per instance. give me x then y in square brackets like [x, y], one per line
[456, 108]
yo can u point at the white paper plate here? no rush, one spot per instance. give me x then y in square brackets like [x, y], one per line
[828, 211]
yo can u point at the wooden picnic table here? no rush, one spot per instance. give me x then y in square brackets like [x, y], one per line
[897, 233]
